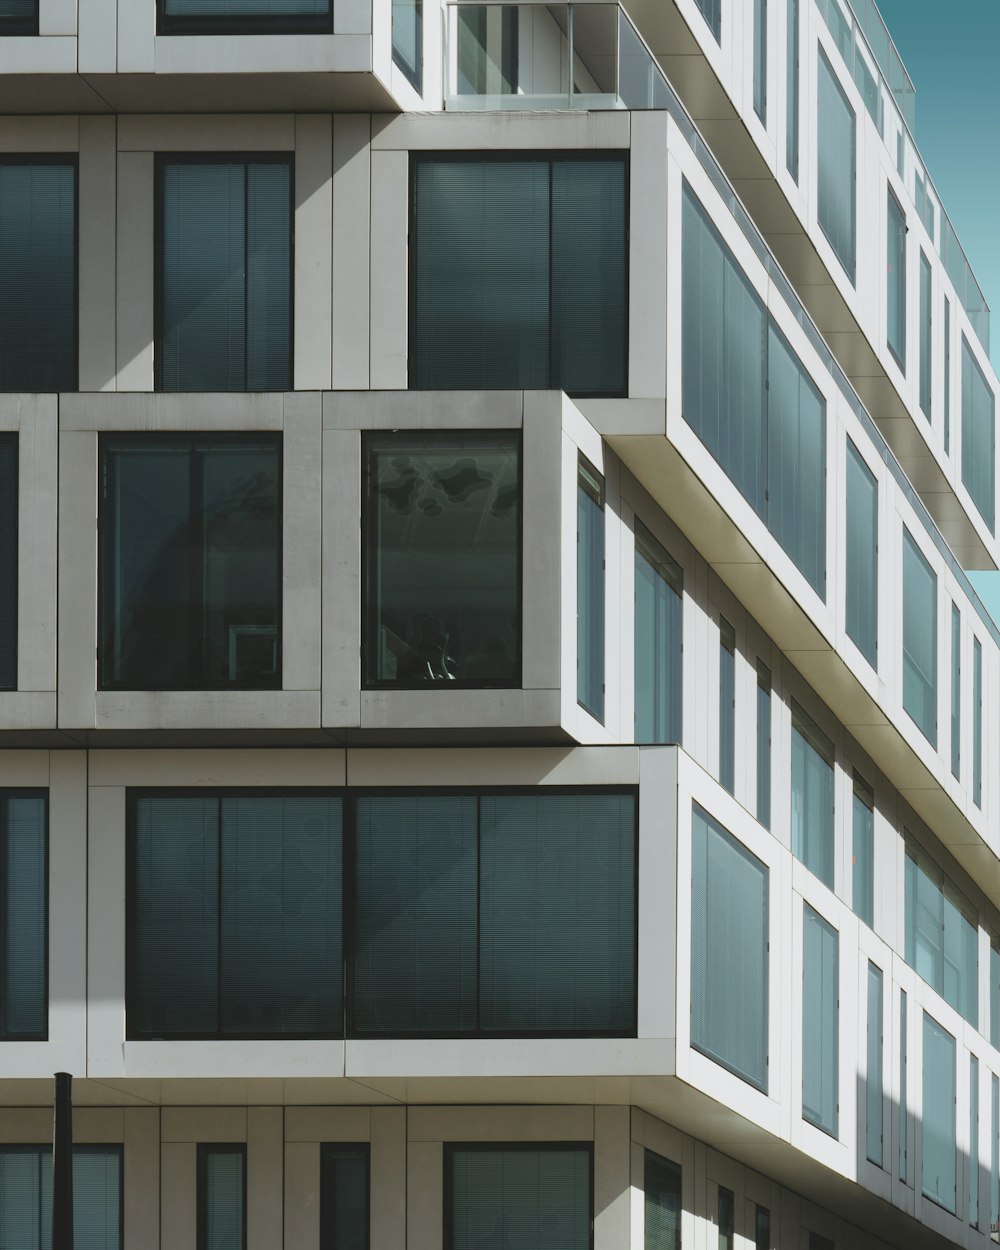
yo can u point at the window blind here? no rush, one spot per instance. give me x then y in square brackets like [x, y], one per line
[26, 1197]
[820, 1022]
[221, 1197]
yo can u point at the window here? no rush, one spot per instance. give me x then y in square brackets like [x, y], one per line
[18, 17]
[26, 1197]
[812, 796]
[896, 280]
[919, 640]
[662, 1203]
[861, 611]
[994, 1033]
[947, 378]
[224, 257]
[711, 11]
[940, 1173]
[762, 1229]
[901, 1110]
[269, 962]
[792, 88]
[760, 59]
[729, 951]
[487, 54]
[942, 942]
[977, 722]
[820, 1021]
[8, 561]
[509, 914]
[344, 1196]
[519, 273]
[835, 152]
[763, 744]
[873, 1081]
[727, 705]
[659, 633]
[408, 40]
[190, 562]
[863, 866]
[974, 1141]
[23, 916]
[748, 398]
[727, 1218]
[244, 17]
[956, 691]
[534, 1195]
[222, 1197]
[995, 1153]
[926, 342]
[978, 438]
[442, 531]
[38, 265]
[590, 589]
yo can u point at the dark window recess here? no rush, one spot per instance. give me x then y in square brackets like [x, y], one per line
[190, 562]
[243, 17]
[8, 561]
[662, 1203]
[222, 1196]
[23, 916]
[345, 1196]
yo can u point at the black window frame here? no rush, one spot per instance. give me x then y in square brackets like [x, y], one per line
[369, 555]
[29, 792]
[257, 24]
[105, 617]
[332, 1150]
[450, 1148]
[12, 440]
[547, 156]
[203, 1151]
[160, 162]
[82, 1148]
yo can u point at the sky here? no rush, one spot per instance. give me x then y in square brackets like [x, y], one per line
[952, 54]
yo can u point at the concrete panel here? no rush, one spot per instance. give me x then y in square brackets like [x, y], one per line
[105, 927]
[39, 134]
[313, 251]
[25, 768]
[135, 271]
[486, 766]
[352, 17]
[207, 709]
[136, 35]
[501, 131]
[316, 1124]
[249, 54]
[98, 42]
[67, 785]
[611, 1177]
[195, 1124]
[251, 132]
[160, 412]
[657, 899]
[141, 1193]
[389, 277]
[244, 767]
[98, 247]
[419, 410]
[36, 574]
[57, 17]
[78, 580]
[351, 206]
[302, 1194]
[647, 295]
[23, 55]
[178, 1195]
[389, 1178]
[542, 552]
[424, 1185]
[302, 543]
[265, 1178]
[439, 1124]
[341, 577]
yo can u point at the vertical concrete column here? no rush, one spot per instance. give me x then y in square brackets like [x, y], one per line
[612, 1177]
[351, 325]
[389, 276]
[389, 1179]
[98, 250]
[313, 250]
[264, 1197]
[135, 271]
[141, 1196]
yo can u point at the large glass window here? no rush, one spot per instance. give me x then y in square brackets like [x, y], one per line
[243, 17]
[764, 744]
[919, 639]
[511, 914]
[729, 951]
[820, 1021]
[861, 608]
[222, 1197]
[344, 1196]
[749, 399]
[792, 88]
[26, 1197]
[443, 559]
[661, 1203]
[812, 796]
[8, 561]
[727, 705]
[760, 59]
[190, 562]
[836, 164]
[38, 277]
[863, 836]
[518, 1195]
[518, 273]
[940, 1172]
[590, 589]
[224, 268]
[956, 690]
[408, 39]
[23, 917]
[896, 280]
[659, 608]
[874, 1108]
[926, 339]
[942, 941]
[234, 909]
[978, 436]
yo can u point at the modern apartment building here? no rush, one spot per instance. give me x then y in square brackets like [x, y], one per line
[497, 745]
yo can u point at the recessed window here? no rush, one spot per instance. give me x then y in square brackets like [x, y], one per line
[836, 166]
[874, 1109]
[942, 937]
[863, 848]
[895, 280]
[820, 1022]
[763, 744]
[222, 1197]
[661, 1203]
[926, 335]
[8, 561]
[408, 39]
[443, 560]
[224, 273]
[23, 917]
[792, 88]
[727, 705]
[590, 589]
[919, 640]
[244, 17]
[812, 796]
[939, 1177]
[956, 691]
[726, 1218]
[38, 269]
[26, 1197]
[861, 556]
[18, 17]
[977, 722]
[659, 609]
[190, 562]
[974, 1178]
[519, 273]
[344, 1184]
[760, 59]
[978, 436]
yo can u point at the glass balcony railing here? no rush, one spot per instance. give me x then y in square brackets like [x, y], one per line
[548, 56]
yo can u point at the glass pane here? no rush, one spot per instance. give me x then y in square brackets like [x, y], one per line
[873, 1082]
[994, 995]
[408, 39]
[902, 1115]
[729, 962]
[726, 1218]
[956, 690]
[222, 1205]
[995, 1153]
[23, 916]
[711, 10]
[792, 88]
[926, 341]
[762, 1229]
[97, 1198]
[727, 705]
[919, 640]
[973, 1141]
[344, 1189]
[444, 541]
[38, 313]
[764, 745]
[896, 280]
[836, 166]
[820, 1022]
[947, 378]
[658, 641]
[760, 59]
[662, 1203]
[939, 1175]
[861, 609]
[977, 723]
[26, 1197]
[8, 561]
[812, 797]
[269, 277]
[590, 591]
[18, 16]
[978, 436]
[863, 834]
[234, 10]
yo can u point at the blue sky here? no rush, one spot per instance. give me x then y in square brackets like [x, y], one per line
[952, 53]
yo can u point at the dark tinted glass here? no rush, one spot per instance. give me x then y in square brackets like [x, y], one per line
[23, 916]
[895, 280]
[38, 316]
[190, 568]
[820, 1022]
[344, 1197]
[225, 276]
[222, 1199]
[443, 549]
[658, 641]
[978, 436]
[243, 16]
[26, 1197]
[8, 561]
[662, 1202]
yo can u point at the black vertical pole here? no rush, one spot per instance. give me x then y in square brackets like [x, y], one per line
[62, 1164]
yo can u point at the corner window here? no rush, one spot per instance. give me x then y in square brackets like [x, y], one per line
[978, 436]
[820, 1022]
[26, 1196]
[659, 607]
[8, 561]
[442, 531]
[835, 151]
[895, 280]
[23, 918]
[812, 796]
[942, 938]
[540, 1194]
[244, 17]
[222, 1197]
[224, 273]
[861, 602]
[590, 589]
[344, 1196]
[519, 273]
[190, 562]
[939, 1180]
[919, 640]
[38, 268]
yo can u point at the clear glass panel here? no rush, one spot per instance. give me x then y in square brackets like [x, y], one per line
[947, 378]
[973, 1141]
[978, 436]
[23, 916]
[994, 994]
[861, 607]
[443, 534]
[939, 1174]
[836, 166]
[926, 333]
[812, 797]
[729, 960]
[956, 690]
[344, 1197]
[792, 88]
[662, 1203]
[941, 942]
[764, 745]
[488, 48]
[903, 1119]
[590, 591]
[977, 722]
[8, 560]
[863, 834]
[760, 59]
[820, 1022]
[597, 28]
[873, 1081]
[995, 1153]
[222, 1201]
[658, 641]
[26, 1197]
[727, 705]
[919, 640]
[408, 39]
